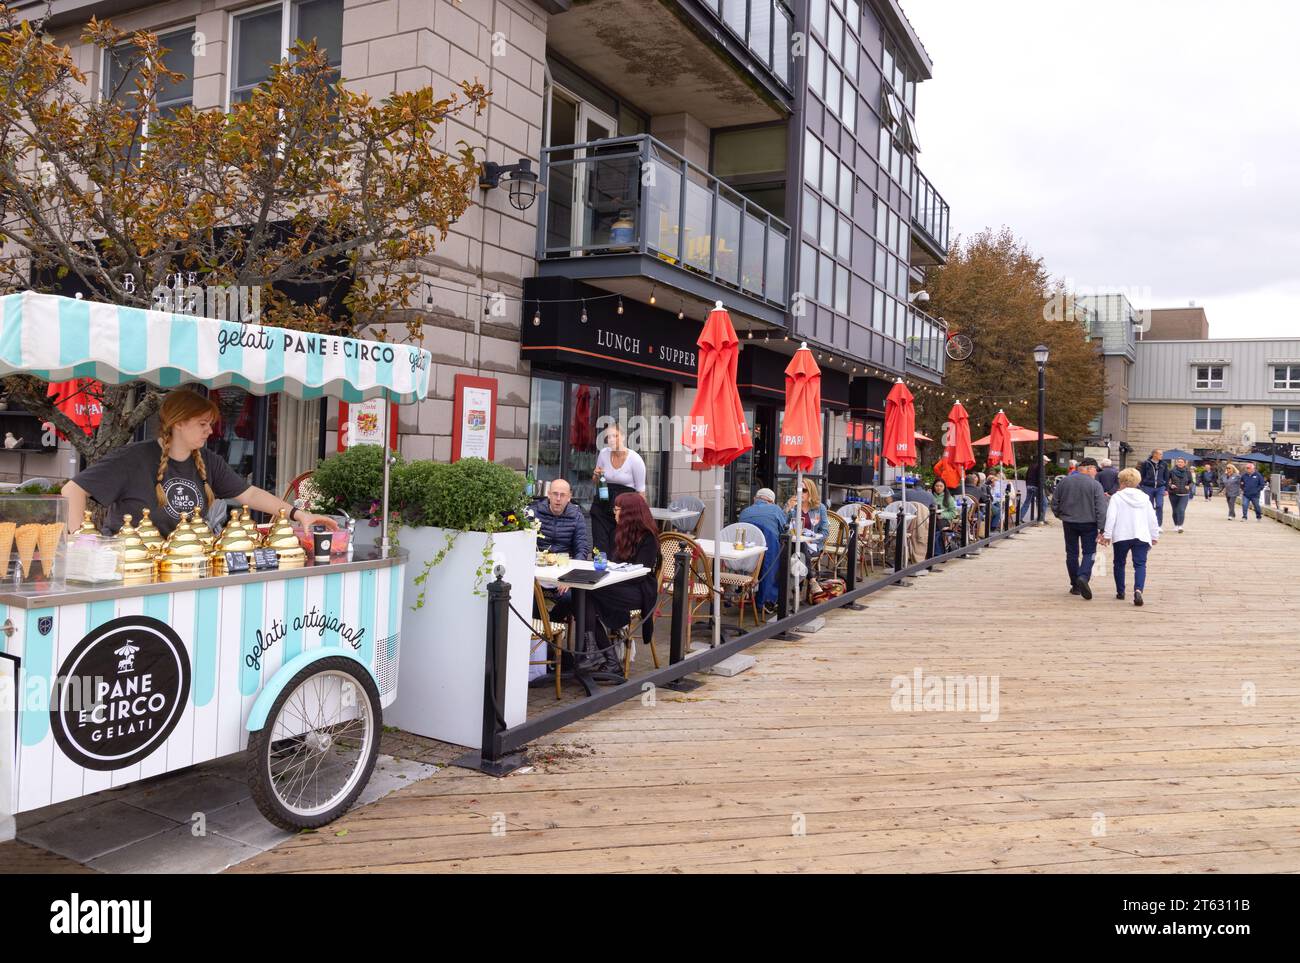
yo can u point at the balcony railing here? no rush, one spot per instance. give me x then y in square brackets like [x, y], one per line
[929, 210]
[630, 195]
[764, 26]
[926, 341]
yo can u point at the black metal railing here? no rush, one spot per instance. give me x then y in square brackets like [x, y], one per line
[929, 210]
[926, 340]
[764, 26]
[500, 745]
[636, 195]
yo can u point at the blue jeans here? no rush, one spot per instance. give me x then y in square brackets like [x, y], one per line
[1232, 505]
[1139, 549]
[1179, 504]
[1246, 502]
[1157, 496]
[1080, 535]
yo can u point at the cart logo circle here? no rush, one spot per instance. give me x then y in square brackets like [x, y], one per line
[120, 693]
[44, 624]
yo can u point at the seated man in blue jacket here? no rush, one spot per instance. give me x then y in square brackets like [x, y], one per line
[564, 527]
[1252, 485]
[772, 521]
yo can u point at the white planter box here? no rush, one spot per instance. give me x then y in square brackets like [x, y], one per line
[440, 682]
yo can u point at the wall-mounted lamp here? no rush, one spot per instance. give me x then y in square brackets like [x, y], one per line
[522, 178]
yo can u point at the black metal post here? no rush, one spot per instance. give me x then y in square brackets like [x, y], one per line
[929, 539]
[1040, 496]
[489, 759]
[1006, 509]
[900, 532]
[965, 525]
[783, 576]
[681, 625]
[851, 575]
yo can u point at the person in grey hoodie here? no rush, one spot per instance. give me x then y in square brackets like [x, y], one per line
[1232, 489]
[1181, 485]
[1080, 503]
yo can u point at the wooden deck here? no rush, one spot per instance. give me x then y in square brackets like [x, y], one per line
[1165, 738]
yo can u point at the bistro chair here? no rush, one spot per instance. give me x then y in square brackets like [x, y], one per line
[687, 503]
[301, 487]
[698, 591]
[548, 635]
[835, 550]
[626, 637]
[743, 577]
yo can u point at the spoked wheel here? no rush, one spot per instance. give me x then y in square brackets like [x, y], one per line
[315, 754]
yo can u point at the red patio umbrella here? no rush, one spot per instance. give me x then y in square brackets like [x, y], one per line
[1001, 449]
[82, 400]
[716, 430]
[801, 428]
[900, 444]
[1016, 434]
[957, 448]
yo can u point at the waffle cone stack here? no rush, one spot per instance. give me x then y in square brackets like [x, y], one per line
[26, 536]
[7, 530]
[49, 542]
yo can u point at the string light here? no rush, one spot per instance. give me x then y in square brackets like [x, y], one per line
[537, 315]
[652, 294]
[583, 316]
[620, 304]
[681, 310]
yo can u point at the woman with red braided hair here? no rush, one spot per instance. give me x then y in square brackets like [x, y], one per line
[171, 474]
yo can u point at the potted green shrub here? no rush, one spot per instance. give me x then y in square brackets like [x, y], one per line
[458, 522]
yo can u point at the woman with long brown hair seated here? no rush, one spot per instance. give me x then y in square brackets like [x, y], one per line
[636, 541]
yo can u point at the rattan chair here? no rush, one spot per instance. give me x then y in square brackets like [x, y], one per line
[743, 577]
[625, 638]
[834, 556]
[698, 591]
[551, 636]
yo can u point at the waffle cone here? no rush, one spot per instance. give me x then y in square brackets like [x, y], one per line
[26, 536]
[49, 543]
[6, 545]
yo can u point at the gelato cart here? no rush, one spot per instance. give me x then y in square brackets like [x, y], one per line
[125, 658]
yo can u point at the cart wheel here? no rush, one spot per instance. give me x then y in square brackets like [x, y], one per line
[316, 752]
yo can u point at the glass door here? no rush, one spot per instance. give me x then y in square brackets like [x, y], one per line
[574, 121]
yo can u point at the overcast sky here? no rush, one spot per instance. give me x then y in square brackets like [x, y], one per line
[1148, 146]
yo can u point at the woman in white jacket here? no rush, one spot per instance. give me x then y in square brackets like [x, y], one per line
[1131, 527]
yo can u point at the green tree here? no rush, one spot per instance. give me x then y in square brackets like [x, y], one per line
[996, 291]
[306, 186]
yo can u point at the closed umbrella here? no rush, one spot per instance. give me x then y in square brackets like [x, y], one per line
[900, 443]
[1001, 449]
[957, 447]
[716, 430]
[801, 429]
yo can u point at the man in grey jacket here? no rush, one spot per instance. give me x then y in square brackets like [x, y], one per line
[1080, 503]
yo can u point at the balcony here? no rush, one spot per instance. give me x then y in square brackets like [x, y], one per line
[632, 209]
[926, 343]
[725, 62]
[929, 222]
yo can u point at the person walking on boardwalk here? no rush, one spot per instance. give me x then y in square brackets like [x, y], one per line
[1232, 489]
[1208, 480]
[1107, 477]
[1080, 503]
[1181, 486]
[1155, 479]
[1252, 486]
[1131, 528]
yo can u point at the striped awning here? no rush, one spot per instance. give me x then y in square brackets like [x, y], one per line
[57, 338]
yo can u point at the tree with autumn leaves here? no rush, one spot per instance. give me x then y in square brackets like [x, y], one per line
[995, 290]
[318, 198]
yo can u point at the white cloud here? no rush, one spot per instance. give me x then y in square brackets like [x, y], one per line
[1150, 145]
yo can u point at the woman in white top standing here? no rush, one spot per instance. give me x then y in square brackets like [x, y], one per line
[1131, 527]
[618, 470]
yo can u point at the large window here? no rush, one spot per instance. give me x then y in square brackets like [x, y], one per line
[1286, 377]
[1286, 420]
[262, 37]
[120, 77]
[563, 440]
[1209, 419]
[1209, 376]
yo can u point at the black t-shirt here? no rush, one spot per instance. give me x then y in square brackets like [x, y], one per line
[124, 483]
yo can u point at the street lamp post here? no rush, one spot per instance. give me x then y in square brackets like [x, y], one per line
[1272, 437]
[1040, 357]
